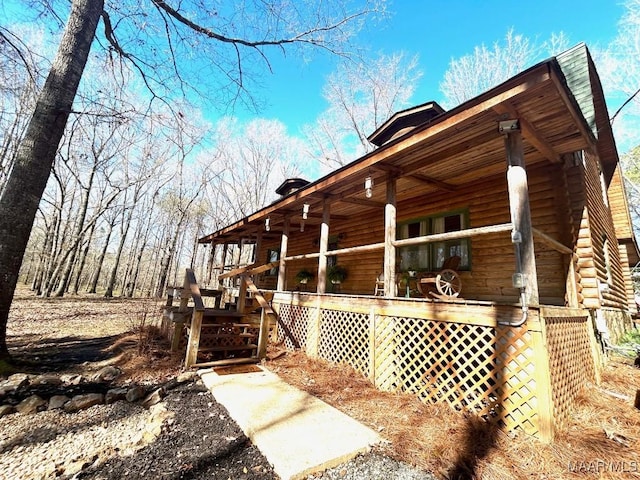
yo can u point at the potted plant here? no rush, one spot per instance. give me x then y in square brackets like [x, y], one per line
[337, 274]
[303, 276]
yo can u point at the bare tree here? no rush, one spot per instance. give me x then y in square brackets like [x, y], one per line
[20, 77]
[619, 68]
[361, 95]
[485, 68]
[104, 139]
[255, 28]
[259, 156]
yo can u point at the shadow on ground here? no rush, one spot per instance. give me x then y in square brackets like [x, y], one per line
[34, 354]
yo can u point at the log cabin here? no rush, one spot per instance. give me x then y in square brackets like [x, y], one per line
[521, 186]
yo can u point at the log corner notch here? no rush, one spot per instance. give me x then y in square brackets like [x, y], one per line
[525, 277]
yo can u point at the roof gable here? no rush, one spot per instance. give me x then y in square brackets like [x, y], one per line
[405, 120]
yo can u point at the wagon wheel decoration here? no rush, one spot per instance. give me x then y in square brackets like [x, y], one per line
[448, 283]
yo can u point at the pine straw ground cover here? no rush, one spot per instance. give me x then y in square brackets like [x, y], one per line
[602, 439]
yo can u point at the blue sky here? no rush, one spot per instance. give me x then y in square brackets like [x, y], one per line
[438, 31]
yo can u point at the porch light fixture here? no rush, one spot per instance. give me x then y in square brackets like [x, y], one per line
[368, 187]
[267, 224]
[305, 215]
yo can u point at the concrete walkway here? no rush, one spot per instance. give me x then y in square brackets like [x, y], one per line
[297, 433]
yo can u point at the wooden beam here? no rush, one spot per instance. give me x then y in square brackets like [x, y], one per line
[442, 237]
[432, 181]
[390, 169]
[551, 242]
[363, 201]
[249, 270]
[242, 295]
[268, 309]
[530, 133]
[194, 338]
[258, 251]
[303, 256]
[191, 288]
[360, 248]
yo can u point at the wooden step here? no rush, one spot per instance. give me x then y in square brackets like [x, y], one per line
[228, 348]
[222, 313]
[230, 325]
[226, 361]
[231, 335]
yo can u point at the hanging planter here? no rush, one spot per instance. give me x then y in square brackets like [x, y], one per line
[337, 274]
[303, 276]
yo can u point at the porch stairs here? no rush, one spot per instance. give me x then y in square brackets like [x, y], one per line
[216, 336]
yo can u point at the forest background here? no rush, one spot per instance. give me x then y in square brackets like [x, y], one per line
[165, 142]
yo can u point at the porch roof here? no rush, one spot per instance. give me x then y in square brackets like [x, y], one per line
[559, 103]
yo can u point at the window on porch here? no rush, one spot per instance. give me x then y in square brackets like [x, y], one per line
[430, 256]
[273, 255]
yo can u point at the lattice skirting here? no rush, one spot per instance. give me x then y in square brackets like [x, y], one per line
[570, 341]
[489, 371]
[295, 320]
[503, 374]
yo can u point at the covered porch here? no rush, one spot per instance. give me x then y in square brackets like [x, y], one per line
[505, 182]
[456, 185]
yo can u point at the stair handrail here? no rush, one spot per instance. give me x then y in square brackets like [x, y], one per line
[249, 270]
[191, 289]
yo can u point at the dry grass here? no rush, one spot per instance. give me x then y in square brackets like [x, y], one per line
[53, 326]
[602, 438]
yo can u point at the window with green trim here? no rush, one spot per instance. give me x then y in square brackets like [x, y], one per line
[431, 256]
[273, 255]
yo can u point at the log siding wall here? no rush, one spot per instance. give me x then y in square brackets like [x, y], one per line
[567, 205]
[597, 218]
[492, 256]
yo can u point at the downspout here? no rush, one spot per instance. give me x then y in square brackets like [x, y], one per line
[519, 281]
[524, 277]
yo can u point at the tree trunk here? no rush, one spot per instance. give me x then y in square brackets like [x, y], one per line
[83, 260]
[80, 220]
[165, 264]
[96, 275]
[37, 151]
[138, 260]
[114, 271]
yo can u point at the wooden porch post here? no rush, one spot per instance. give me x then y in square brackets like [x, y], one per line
[522, 235]
[242, 288]
[324, 246]
[284, 243]
[225, 251]
[212, 256]
[258, 257]
[389, 237]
